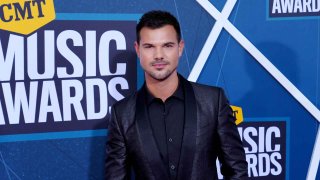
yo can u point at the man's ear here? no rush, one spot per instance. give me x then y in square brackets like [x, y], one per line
[181, 47]
[136, 47]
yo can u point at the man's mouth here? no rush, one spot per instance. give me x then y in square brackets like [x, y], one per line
[159, 65]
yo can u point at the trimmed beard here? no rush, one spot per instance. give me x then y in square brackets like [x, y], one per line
[160, 76]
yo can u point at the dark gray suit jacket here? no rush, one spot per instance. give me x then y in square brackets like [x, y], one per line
[209, 132]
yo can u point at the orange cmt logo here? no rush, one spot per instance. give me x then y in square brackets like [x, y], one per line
[25, 16]
[237, 113]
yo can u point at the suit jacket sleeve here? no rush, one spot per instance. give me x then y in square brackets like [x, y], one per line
[231, 153]
[116, 166]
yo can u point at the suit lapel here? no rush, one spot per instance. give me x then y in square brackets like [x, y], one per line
[189, 135]
[148, 143]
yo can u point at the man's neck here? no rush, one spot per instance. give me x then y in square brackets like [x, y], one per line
[163, 89]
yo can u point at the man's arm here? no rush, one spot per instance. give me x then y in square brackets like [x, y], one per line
[231, 154]
[116, 166]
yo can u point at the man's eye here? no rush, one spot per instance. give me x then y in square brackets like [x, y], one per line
[168, 45]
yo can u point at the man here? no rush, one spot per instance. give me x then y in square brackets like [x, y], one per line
[171, 128]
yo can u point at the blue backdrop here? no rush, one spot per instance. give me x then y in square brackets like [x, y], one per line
[292, 44]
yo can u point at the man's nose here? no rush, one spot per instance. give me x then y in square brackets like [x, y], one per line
[158, 54]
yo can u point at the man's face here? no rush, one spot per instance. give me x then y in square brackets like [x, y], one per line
[159, 52]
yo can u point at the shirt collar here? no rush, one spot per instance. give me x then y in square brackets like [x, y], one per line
[179, 93]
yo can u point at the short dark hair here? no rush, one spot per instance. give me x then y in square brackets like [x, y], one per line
[157, 19]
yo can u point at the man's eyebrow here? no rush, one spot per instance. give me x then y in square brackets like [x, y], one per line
[169, 43]
[148, 44]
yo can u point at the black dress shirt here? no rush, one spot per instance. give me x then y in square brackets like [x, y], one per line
[167, 122]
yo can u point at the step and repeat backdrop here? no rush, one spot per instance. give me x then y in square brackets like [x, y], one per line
[64, 63]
